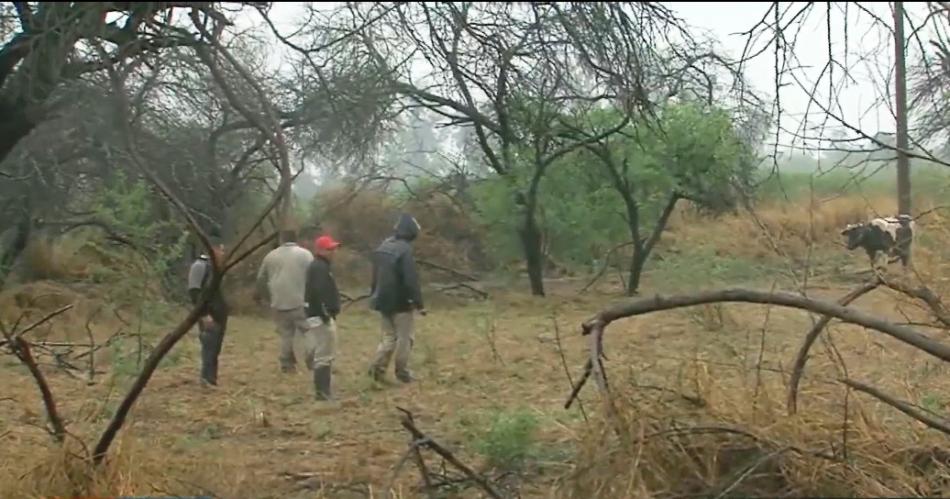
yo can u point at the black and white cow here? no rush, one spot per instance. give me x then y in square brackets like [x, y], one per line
[891, 236]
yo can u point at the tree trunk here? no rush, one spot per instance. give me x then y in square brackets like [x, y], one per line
[21, 236]
[533, 254]
[642, 249]
[637, 262]
[13, 127]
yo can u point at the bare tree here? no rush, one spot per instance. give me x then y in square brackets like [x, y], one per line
[147, 125]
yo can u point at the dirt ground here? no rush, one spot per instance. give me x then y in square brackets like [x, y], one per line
[260, 434]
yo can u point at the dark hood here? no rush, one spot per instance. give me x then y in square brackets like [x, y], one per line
[407, 228]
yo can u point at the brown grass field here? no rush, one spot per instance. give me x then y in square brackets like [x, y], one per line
[699, 392]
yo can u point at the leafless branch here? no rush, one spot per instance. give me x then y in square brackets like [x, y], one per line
[425, 441]
[942, 426]
[594, 328]
[798, 367]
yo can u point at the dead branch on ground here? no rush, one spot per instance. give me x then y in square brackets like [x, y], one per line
[798, 368]
[420, 439]
[595, 327]
[932, 422]
[461, 285]
[454, 273]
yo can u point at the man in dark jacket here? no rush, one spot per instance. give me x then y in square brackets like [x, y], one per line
[214, 318]
[323, 305]
[395, 295]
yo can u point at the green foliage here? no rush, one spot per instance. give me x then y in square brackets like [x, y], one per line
[509, 439]
[128, 206]
[694, 150]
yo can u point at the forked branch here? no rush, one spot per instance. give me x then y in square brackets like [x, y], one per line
[798, 368]
[422, 440]
[21, 349]
[596, 326]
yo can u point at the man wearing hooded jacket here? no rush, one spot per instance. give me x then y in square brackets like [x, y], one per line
[396, 294]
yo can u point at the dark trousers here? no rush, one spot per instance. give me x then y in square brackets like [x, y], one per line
[211, 342]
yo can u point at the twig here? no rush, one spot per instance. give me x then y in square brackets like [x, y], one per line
[417, 435]
[405, 457]
[942, 426]
[925, 295]
[453, 272]
[490, 336]
[576, 389]
[350, 301]
[761, 356]
[603, 268]
[22, 350]
[567, 370]
[423, 470]
[462, 285]
[798, 368]
[42, 321]
[92, 347]
[748, 471]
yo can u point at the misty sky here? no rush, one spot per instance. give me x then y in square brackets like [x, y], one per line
[864, 102]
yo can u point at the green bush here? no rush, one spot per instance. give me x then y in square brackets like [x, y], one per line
[509, 439]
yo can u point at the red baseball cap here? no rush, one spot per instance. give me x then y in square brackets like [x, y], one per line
[327, 243]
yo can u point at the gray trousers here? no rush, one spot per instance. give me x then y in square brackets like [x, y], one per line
[397, 337]
[291, 324]
[324, 337]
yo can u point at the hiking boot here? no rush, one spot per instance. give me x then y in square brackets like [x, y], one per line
[322, 377]
[379, 377]
[405, 377]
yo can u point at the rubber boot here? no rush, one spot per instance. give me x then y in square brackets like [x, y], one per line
[210, 346]
[322, 377]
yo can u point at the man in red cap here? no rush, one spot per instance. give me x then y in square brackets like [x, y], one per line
[323, 305]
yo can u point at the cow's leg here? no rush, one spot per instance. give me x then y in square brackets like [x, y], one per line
[872, 256]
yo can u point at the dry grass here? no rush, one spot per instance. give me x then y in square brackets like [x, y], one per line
[261, 435]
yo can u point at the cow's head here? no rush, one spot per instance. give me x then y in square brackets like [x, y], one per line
[855, 234]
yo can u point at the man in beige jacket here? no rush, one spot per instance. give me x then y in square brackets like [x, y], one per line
[282, 278]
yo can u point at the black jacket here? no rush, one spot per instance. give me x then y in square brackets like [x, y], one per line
[395, 286]
[198, 278]
[323, 298]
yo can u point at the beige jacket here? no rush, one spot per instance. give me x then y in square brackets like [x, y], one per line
[283, 275]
